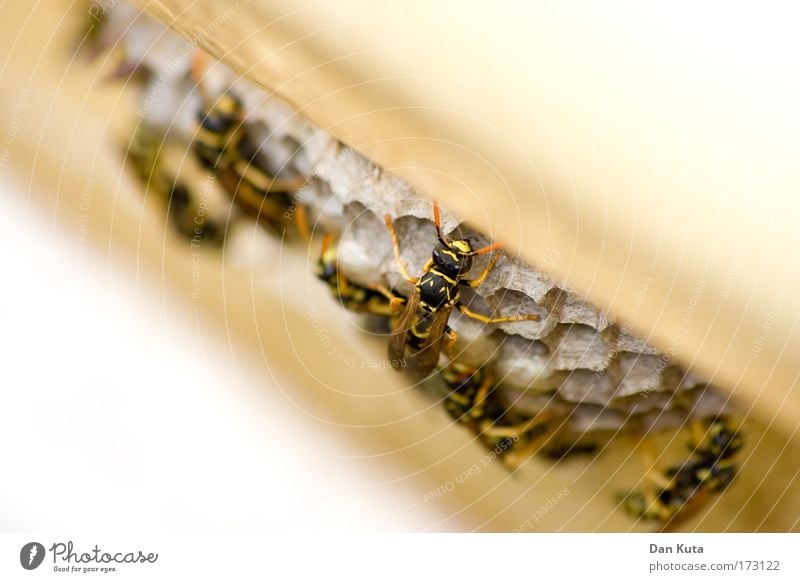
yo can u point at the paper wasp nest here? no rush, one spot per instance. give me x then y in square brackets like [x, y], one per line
[575, 359]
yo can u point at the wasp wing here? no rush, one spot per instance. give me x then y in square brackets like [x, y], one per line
[424, 360]
[397, 341]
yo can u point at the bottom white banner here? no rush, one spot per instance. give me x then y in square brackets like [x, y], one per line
[300, 556]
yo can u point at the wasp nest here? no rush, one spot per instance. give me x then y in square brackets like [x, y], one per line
[574, 359]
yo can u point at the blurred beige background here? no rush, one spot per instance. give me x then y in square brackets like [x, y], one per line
[121, 391]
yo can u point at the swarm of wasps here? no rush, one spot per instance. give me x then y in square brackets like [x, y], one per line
[224, 146]
[420, 339]
[420, 333]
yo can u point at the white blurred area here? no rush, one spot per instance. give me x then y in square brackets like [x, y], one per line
[118, 411]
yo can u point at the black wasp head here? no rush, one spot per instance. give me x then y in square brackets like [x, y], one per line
[453, 259]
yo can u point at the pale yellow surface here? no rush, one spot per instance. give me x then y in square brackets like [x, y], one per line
[646, 155]
[397, 446]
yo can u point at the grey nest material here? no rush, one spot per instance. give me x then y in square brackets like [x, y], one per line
[574, 359]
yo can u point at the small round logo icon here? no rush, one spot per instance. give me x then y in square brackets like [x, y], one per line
[31, 555]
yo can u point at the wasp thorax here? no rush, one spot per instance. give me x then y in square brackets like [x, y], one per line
[453, 260]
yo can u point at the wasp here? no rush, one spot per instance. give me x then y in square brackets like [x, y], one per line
[351, 295]
[189, 218]
[183, 205]
[681, 490]
[224, 144]
[218, 128]
[269, 199]
[417, 338]
[473, 400]
[219, 120]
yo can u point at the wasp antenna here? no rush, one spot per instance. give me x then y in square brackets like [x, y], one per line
[484, 250]
[437, 221]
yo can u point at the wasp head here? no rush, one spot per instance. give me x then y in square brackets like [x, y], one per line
[453, 259]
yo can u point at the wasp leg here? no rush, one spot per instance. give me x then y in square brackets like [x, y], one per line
[522, 440]
[483, 391]
[450, 343]
[396, 245]
[698, 434]
[654, 479]
[343, 284]
[487, 319]
[475, 282]
[647, 503]
[515, 456]
[396, 302]
[653, 475]
[518, 430]
[520, 451]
